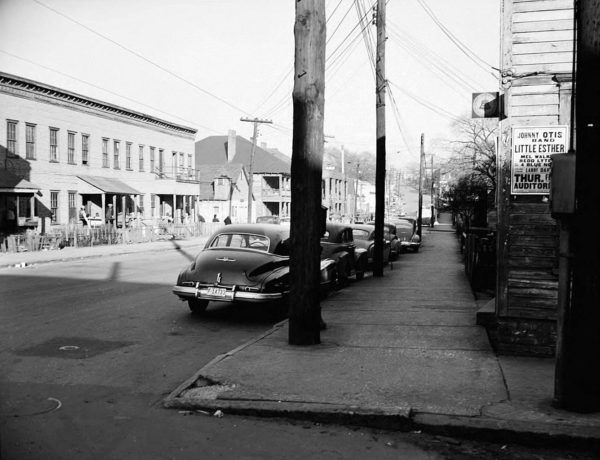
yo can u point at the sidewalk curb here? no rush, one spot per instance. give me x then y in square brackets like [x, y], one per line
[118, 250]
[481, 427]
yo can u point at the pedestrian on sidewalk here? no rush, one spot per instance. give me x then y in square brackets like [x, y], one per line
[110, 215]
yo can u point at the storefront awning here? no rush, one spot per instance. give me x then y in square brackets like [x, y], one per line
[110, 185]
[10, 183]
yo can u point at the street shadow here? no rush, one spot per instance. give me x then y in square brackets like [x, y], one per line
[186, 254]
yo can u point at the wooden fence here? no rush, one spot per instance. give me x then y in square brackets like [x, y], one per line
[78, 236]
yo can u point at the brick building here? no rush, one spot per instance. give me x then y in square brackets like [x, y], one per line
[61, 150]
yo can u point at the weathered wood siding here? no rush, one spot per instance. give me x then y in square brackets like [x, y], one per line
[537, 48]
[541, 46]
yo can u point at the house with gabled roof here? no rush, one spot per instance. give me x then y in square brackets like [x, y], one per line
[223, 192]
[271, 172]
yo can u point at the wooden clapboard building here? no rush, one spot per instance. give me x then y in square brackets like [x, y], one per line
[537, 75]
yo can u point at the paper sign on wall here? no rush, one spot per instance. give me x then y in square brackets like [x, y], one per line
[532, 147]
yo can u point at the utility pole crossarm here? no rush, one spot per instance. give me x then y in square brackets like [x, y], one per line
[255, 122]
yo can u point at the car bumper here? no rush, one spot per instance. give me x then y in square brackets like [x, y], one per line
[189, 292]
[409, 245]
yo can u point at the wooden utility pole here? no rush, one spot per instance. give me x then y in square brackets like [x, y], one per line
[255, 122]
[421, 169]
[307, 163]
[380, 83]
[578, 348]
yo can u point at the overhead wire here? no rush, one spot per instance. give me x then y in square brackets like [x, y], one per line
[438, 65]
[433, 107]
[337, 55]
[107, 90]
[285, 100]
[459, 44]
[144, 58]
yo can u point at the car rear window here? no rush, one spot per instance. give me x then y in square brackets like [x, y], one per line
[360, 234]
[241, 240]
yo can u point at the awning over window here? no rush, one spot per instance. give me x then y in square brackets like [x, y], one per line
[110, 185]
[10, 183]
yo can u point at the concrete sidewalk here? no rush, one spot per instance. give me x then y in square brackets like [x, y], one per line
[24, 259]
[402, 352]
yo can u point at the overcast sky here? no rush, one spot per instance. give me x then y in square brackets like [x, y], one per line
[206, 63]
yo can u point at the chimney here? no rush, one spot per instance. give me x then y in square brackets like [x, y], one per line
[231, 145]
[263, 145]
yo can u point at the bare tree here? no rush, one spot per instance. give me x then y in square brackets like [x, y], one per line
[475, 149]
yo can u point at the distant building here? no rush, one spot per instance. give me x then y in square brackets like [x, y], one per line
[271, 170]
[223, 192]
[62, 150]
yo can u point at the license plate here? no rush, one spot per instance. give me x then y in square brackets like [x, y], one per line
[217, 292]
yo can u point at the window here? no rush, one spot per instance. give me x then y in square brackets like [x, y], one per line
[72, 206]
[152, 205]
[116, 147]
[128, 155]
[105, 153]
[181, 164]
[141, 157]
[152, 159]
[54, 206]
[11, 137]
[54, 144]
[30, 141]
[85, 148]
[140, 207]
[189, 165]
[71, 147]
[161, 160]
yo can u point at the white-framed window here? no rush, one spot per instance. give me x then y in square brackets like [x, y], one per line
[11, 138]
[141, 157]
[116, 152]
[54, 144]
[71, 147]
[105, 163]
[85, 149]
[30, 153]
[128, 155]
[54, 205]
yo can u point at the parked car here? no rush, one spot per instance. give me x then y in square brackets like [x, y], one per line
[364, 237]
[243, 263]
[389, 233]
[268, 220]
[338, 244]
[406, 232]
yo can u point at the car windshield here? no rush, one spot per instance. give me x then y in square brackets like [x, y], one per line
[359, 234]
[240, 240]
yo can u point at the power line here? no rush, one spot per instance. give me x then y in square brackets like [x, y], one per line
[435, 108]
[461, 46]
[430, 59]
[135, 53]
[106, 90]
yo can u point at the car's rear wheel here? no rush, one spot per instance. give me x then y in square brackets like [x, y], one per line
[197, 306]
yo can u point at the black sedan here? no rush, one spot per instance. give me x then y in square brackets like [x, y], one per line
[364, 237]
[389, 233]
[244, 263]
[406, 232]
[338, 244]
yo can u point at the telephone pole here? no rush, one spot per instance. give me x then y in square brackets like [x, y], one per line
[255, 122]
[380, 83]
[577, 385]
[421, 168]
[308, 221]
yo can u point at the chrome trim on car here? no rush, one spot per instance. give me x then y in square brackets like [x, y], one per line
[185, 292]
